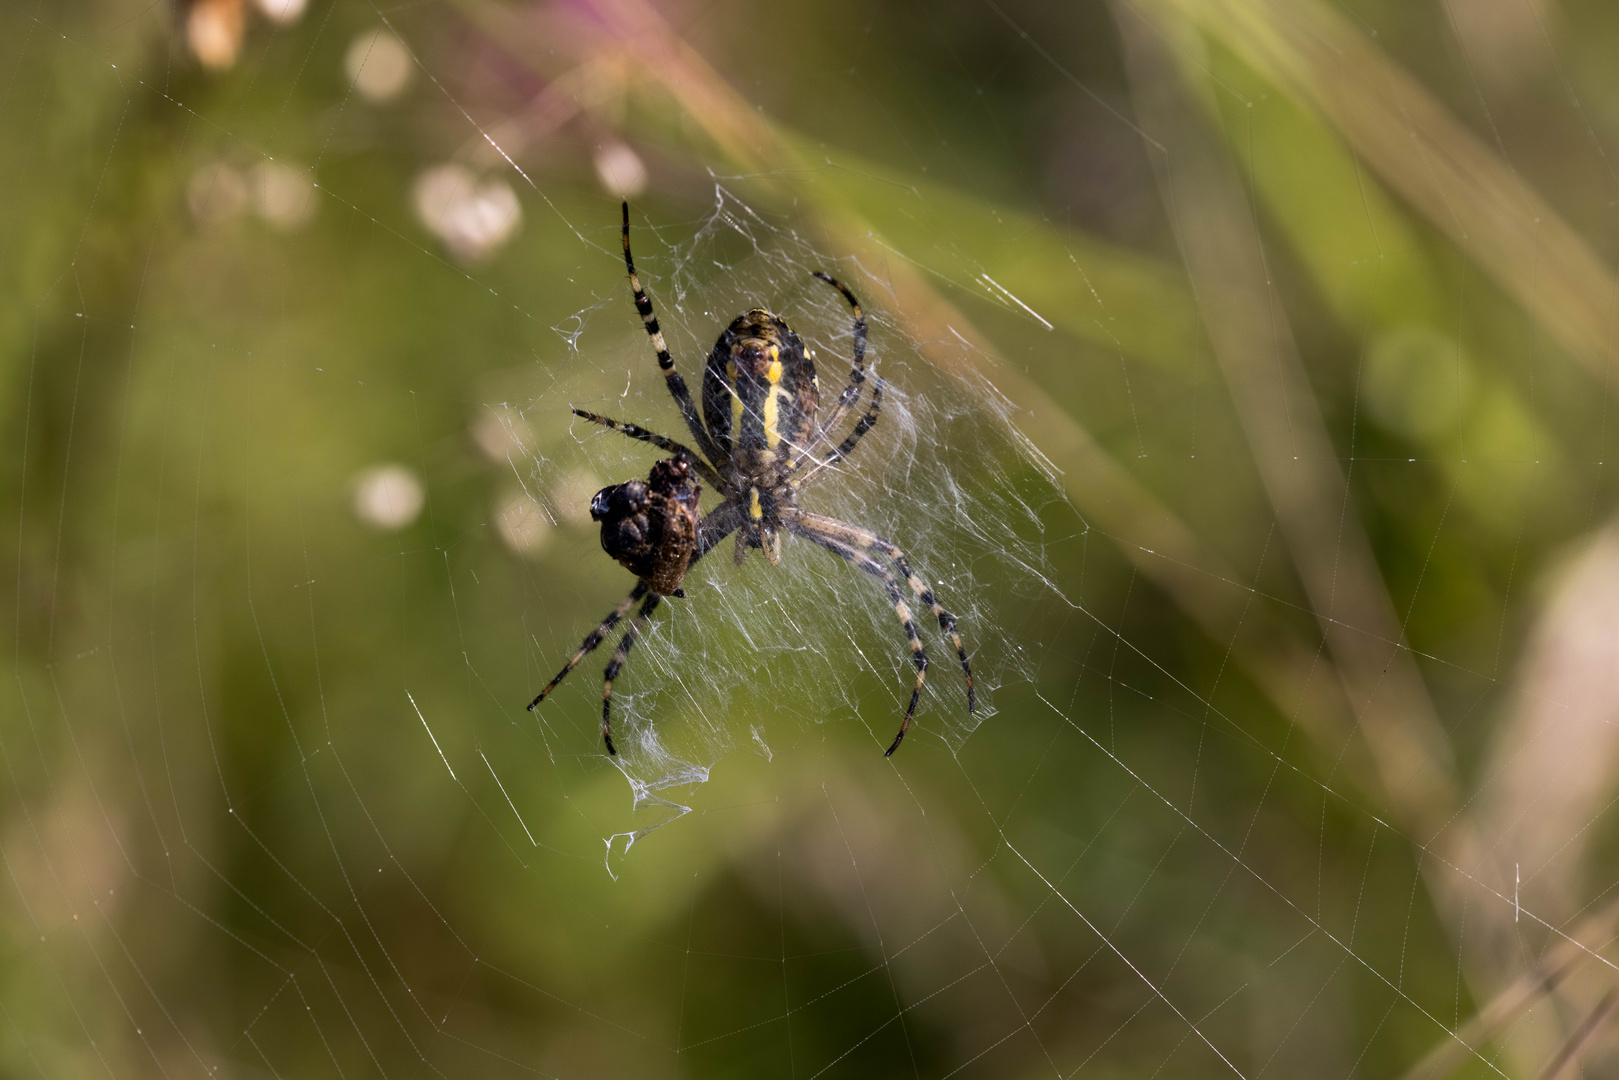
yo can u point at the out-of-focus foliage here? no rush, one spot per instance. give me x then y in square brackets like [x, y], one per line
[1310, 305]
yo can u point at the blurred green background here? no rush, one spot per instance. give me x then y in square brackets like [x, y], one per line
[1298, 608]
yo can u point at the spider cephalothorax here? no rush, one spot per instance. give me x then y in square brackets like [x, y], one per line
[758, 443]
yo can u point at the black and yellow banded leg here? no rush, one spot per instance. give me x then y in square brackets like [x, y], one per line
[867, 422]
[593, 639]
[947, 621]
[636, 431]
[666, 363]
[857, 372]
[919, 655]
[616, 664]
[865, 540]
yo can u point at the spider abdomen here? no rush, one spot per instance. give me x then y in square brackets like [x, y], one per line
[759, 391]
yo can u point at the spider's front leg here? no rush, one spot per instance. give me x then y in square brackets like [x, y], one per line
[592, 639]
[919, 655]
[616, 664]
[710, 531]
[854, 545]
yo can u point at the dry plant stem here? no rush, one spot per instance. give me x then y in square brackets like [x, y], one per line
[1571, 970]
[1314, 54]
[1560, 963]
[1297, 463]
[1580, 1040]
[1291, 671]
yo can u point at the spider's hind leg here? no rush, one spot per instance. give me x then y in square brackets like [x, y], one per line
[666, 363]
[866, 423]
[857, 369]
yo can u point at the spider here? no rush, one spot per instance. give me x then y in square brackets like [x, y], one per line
[757, 444]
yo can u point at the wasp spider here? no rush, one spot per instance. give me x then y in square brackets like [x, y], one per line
[757, 443]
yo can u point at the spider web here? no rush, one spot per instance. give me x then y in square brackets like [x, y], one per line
[300, 520]
[951, 473]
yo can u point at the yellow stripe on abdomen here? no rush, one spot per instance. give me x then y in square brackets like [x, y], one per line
[772, 416]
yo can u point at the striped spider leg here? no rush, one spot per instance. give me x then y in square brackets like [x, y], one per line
[666, 363]
[847, 399]
[641, 434]
[857, 370]
[714, 528]
[856, 546]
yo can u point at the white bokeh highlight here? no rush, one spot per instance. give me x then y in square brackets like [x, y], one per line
[378, 66]
[572, 494]
[285, 12]
[474, 218]
[523, 523]
[502, 433]
[214, 30]
[388, 497]
[282, 195]
[620, 169]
